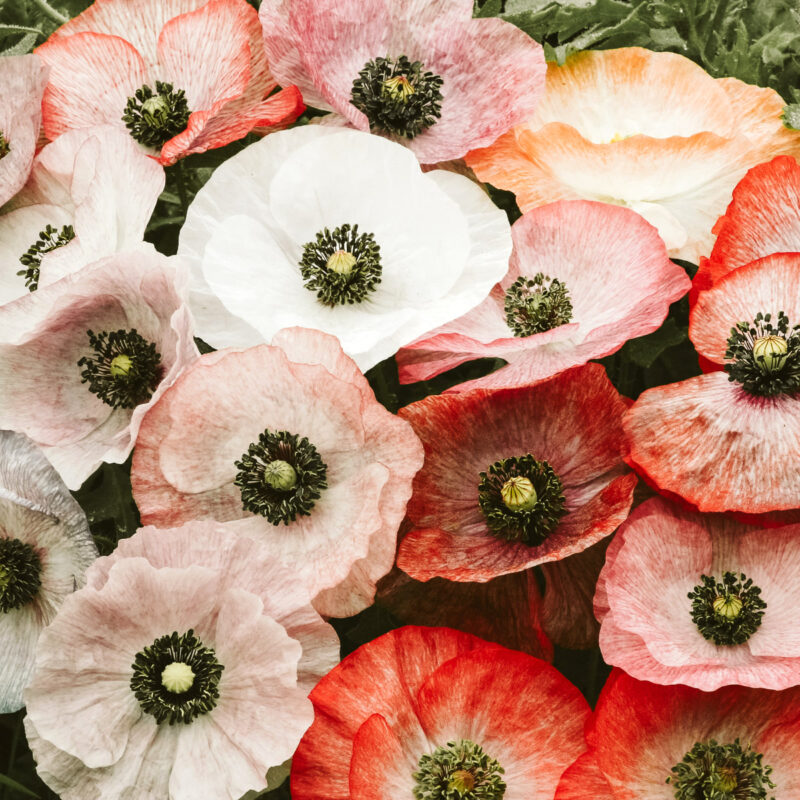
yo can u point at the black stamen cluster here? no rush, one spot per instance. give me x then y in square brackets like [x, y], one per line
[153, 118]
[48, 240]
[20, 574]
[717, 627]
[537, 304]
[435, 773]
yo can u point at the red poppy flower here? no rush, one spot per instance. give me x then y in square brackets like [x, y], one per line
[419, 711]
[515, 477]
[662, 742]
[731, 442]
[183, 76]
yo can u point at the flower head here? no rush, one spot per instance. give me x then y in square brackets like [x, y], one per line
[428, 75]
[667, 140]
[452, 717]
[179, 76]
[89, 354]
[338, 230]
[562, 436]
[584, 278]
[45, 549]
[22, 82]
[285, 443]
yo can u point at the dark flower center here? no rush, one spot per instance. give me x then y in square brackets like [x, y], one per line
[4, 146]
[711, 771]
[48, 240]
[461, 770]
[124, 370]
[765, 357]
[280, 476]
[176, 678]
[153, 118]
[522, 499]
[399, 97]
[341, 266]
[727, 612]
[20, 574]
[537, 304]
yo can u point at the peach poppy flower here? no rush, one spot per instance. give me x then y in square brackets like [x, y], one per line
[650, 131]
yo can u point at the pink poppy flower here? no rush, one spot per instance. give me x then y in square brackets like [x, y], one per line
[191, 691]
[584, 278]
[88, 355]
[515, 477]
[90, 194]
[731, 442]
[667, 742]
[45, 549]
[763, 218]
[423, 73]
[701, 600]
[509, 730]
[182, 76]
[22, 82]
[285, 443]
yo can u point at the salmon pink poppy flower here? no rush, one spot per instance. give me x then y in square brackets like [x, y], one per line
[763, 218]
[730, 440]
[584, 278]
[423, 73]
[90, 194]
[515, 477]
[667, 742]
[88, 355]
[650, 131]
[45, 550]
[434, 713]
[190, 690]
[285, 443]
[181, 76]
[702, 600]
[22, 82]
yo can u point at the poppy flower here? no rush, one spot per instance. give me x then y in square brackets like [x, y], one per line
[45, 550]
[181, 76]
[22, 82]
[515, 477]
[89, 354]
[650, 131]
[763, 218]
[667, 742]
[426, 74]
[90, 194]
[388, 723]
[191, 690]
[584, 278]
[729, 440]
[701, 599]
[338, 230]
[285, 443]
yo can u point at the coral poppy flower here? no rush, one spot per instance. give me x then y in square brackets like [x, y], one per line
[90, 194]
[45, 549]
[449, 715]
[285, 443]
[730, 440]
[763, 218]
[89, 354]
[22, 82]
[667, 742]
[701, 600]
[584, 780]
[242, 563]
[338, 230]
[182, 76]
[190, 691]
[515, 477]
[584, 278]
[651, 131]
[426, 74]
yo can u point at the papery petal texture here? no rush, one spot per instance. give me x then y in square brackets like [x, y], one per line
[662, 137]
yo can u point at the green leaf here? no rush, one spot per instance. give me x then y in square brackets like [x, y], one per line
[644, 350]
[491, 8]
[16, 787]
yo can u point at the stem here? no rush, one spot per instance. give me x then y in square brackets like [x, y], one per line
[182, 186]
[46, 8]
